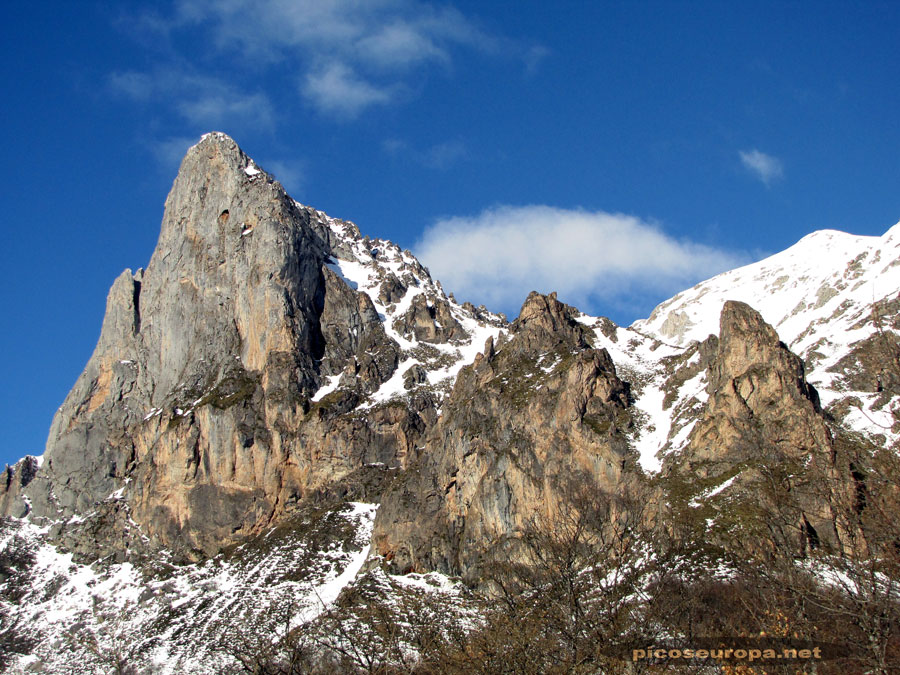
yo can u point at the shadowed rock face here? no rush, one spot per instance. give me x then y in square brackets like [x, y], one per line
[535, 416]
[196, 401]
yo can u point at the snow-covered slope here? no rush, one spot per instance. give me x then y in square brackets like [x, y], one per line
[191, 619]
[667, 383]
[175, 619]
[826, 296]
[373, 266]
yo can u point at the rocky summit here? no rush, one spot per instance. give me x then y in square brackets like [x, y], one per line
[292, 451]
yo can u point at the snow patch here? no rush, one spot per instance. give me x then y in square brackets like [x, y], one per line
[330, 385]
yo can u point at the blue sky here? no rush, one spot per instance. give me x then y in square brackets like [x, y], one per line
[614, 151]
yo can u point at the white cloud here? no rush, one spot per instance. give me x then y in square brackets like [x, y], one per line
[337, 89]
[389, 32]
[363, 50]
[263, 28]
[400, 45]
[500, 255]
[766, 167]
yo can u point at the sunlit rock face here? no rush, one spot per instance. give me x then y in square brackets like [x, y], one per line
[225, 384]
[278, 403]
[539, 414]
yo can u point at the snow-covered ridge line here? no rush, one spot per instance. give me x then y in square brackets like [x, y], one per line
[364, 265]
[792, 289]
[823, 295]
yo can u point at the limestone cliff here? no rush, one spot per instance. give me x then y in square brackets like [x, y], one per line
[202, 414]
[762, 442]
[540, 413]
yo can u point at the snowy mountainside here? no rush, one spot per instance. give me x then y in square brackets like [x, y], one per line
[179, 614]
[173, 620]
[830, 296]
[641, 360]
[436, 335]
[667, 381]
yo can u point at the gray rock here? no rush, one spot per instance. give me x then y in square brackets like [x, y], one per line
[195, 405]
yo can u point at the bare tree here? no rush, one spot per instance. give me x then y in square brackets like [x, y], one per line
[109, 639]
[573, 598]
[277, 643]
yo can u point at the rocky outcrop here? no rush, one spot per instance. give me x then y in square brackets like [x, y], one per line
[758, 397]
[538, 414]
[872, 366]
[429, 320]
[354, 337]
[17, 478]
[762, 434]
[196, 407]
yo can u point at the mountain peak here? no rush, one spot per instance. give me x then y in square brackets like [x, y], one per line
[272, 364]
[253, 310]
[217, 142]
[217, 161]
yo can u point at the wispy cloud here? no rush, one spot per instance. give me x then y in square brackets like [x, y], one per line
[207, 102]
[390, 33]
[349, 55]
[134, 85]
[534, 56]
[442, 155]
[337, 89]
[766, 167]
[438, 156]
[401, 45]
[217, 109]
[500, 255]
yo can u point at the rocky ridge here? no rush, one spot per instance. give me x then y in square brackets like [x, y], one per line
[271, 359]
[267, 352]
[833, 299]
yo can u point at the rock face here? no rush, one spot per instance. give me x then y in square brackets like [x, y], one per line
[759, 399]
[18, 477]
[197, 407]
[833, 299]
[762, 434]
[269, 354]
[272, 364]
[539, 414]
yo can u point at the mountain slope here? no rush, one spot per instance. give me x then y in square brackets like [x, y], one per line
[834, 300]
[231, 375]
[273, 376]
